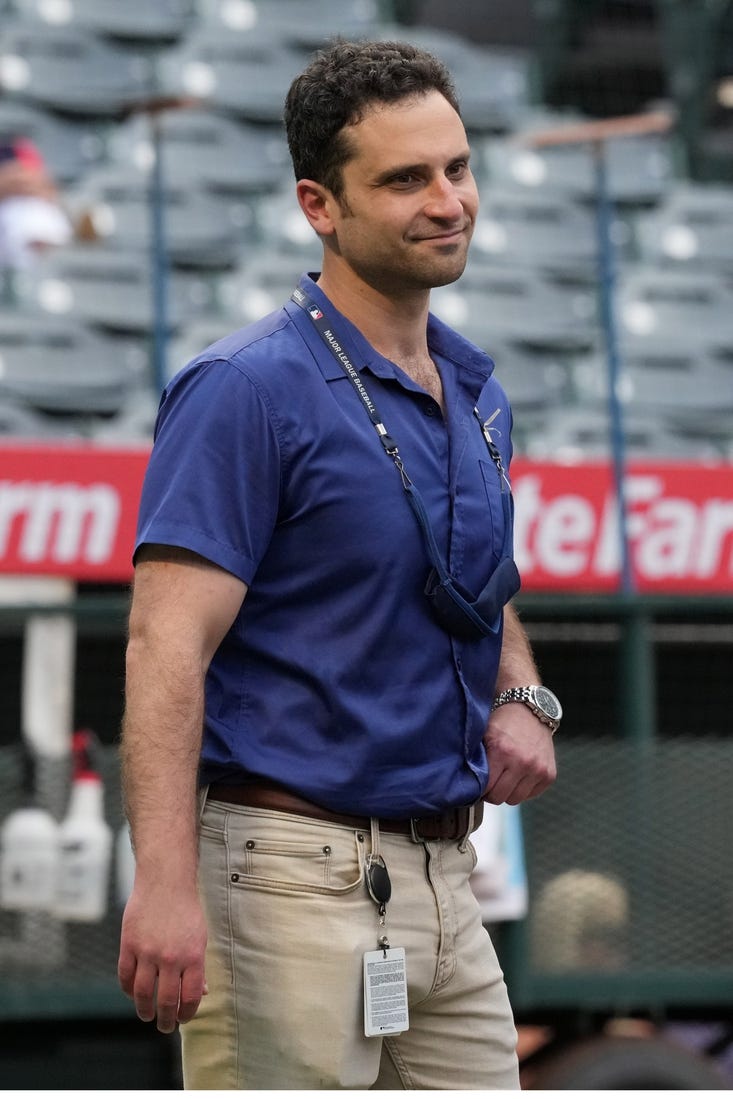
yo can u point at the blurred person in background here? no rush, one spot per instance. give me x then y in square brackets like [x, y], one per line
[310, 729]
[32, 218]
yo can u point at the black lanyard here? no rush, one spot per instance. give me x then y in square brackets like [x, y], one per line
[335, 347]
[456, 609]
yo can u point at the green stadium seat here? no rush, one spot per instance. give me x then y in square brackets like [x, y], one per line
[504, 302]
[111, 290]
[287, 20]
[246, 74]
[70, 69]
[202, 149]
[201, 230]
[146, 20]
[58, 366]
[691, 228]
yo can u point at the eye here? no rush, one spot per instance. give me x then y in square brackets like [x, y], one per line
[458, 169]
[403, 179]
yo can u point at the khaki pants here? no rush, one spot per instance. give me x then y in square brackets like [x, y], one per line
[289, 921]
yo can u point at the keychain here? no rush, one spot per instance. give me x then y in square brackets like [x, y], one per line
[380, 890]
[385, 977]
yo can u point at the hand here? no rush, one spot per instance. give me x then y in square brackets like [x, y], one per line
[521, 755]
[161, 963]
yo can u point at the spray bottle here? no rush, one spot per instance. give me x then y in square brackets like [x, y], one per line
[29, 851]
[85, 841]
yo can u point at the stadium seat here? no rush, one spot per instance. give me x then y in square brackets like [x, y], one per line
[260, 286]
[57, 366]
[496, 303]
[581, 434]
[133, 423]
[202, 149]
[639, 169]
[112, 290]
[544, 231]
[692, 227]
[114, 205]
[197, 336]
[677, 389]
[18, 421]
[535, 383]
[286, 19]
[245, 74]
[70, 69]
[154, 20]
[494, 84]
[663, 308]
[282, 227]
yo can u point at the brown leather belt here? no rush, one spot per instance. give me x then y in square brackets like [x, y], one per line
[453, 824]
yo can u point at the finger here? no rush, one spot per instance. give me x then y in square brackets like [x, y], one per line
[500, 786]
[168, 998]
[144, 991]
[193, 987]
[126, 968]
[524, 790]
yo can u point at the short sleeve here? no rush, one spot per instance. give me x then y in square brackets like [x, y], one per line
[213, 481]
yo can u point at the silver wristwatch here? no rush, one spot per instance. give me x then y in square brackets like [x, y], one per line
[540, 700]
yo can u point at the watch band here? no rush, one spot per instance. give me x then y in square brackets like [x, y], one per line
[514, 694]
[528, 696]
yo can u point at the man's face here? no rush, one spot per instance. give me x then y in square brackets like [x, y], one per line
[409, 201]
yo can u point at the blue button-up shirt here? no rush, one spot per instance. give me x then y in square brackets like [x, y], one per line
[335, 680]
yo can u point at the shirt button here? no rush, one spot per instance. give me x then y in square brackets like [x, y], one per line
[430, 409]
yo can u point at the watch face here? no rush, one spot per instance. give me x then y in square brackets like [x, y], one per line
[548, 703]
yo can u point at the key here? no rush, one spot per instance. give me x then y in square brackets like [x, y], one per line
[377, 880]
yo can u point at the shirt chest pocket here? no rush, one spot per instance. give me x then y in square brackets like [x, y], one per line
[500, 508]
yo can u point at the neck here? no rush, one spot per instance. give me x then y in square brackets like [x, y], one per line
[395, 326]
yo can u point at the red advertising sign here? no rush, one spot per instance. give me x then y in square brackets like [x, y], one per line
[679, 523]
[71, 511]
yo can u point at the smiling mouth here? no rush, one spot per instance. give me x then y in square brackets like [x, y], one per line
[448, 234]
[453, 234]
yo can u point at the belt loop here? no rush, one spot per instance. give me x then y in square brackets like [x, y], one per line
[469, 829]
[374, 825]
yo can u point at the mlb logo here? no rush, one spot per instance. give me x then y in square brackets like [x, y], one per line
[315, 312]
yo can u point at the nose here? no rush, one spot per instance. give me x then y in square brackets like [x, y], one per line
[444, 200]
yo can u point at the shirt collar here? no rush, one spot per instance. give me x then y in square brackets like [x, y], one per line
[442, 340]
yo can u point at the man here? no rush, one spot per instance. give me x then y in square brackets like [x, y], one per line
[281, 606]
[32, 219]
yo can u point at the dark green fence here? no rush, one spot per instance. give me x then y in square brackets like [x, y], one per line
[631, 895]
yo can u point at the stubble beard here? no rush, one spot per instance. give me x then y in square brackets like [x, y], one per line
[418, 273]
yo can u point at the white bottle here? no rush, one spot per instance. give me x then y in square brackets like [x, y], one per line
[29, 852]
[85, 844]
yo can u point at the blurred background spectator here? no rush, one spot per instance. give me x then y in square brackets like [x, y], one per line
[31, 216]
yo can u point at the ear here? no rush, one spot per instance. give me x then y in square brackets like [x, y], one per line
[316, 202]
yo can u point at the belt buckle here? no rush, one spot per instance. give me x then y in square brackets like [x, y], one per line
[414, 834]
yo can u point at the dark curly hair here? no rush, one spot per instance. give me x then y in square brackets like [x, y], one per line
[338, 86]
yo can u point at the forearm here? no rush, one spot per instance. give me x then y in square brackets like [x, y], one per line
[517, 667]
[161, 743]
